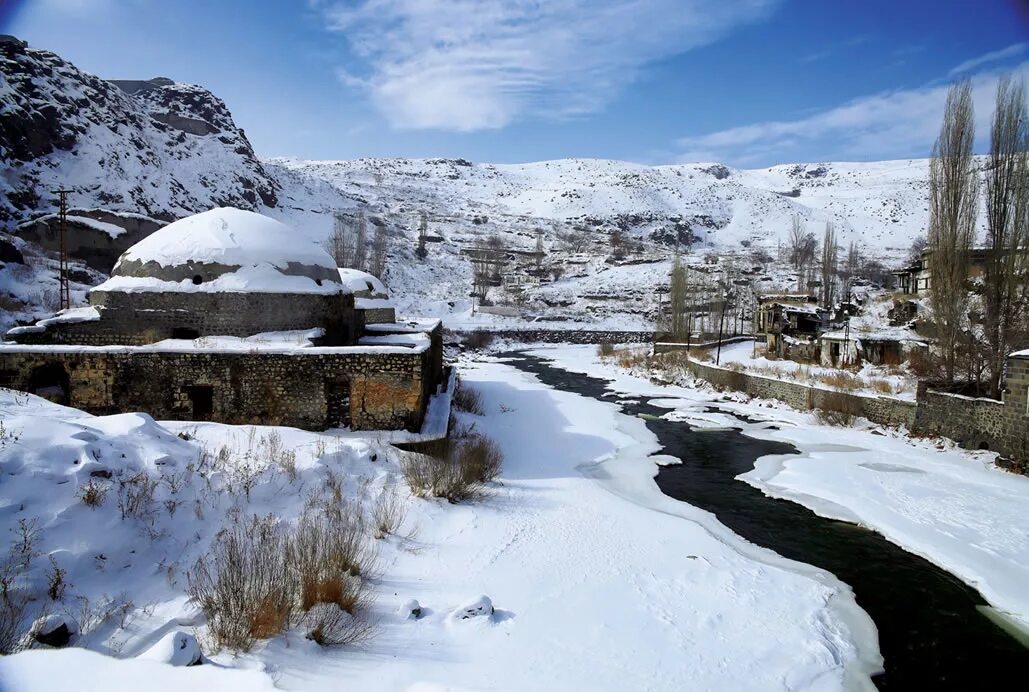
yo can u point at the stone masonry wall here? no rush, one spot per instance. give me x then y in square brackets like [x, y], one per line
[878, 409]
[975, 423]
[570, 336]
[982, 423]
[386, 391]
[142, 318]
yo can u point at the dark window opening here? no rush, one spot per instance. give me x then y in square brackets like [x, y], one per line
[984, 445]
[202, 399]
[337, 404]
[318, 282]
[185, 333]
[198, 279]
[51, 382]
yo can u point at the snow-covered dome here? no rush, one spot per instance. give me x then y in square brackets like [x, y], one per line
[362, 284]
[226, 249]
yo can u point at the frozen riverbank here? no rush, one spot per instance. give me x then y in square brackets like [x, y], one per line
[598, 580]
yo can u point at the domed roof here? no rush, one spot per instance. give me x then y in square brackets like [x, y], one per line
[225, 249]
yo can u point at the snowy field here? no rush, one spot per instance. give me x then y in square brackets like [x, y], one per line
[598, 580]
[951, 506]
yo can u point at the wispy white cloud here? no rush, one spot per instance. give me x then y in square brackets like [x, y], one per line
[1011, 51]
[890, 124]
[480, 64]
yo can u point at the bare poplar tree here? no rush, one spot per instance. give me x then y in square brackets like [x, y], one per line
[1007, 215]
[360, 260]
[830, 257]
[678, 285]
[801, 248]
[380, 246]
[953, 201]
[340, 243]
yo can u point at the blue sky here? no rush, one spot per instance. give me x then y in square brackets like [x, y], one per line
[748, 82]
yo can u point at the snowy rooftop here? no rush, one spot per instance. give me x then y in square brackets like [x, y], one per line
[360, 282]
[225, 250]
[228, 236]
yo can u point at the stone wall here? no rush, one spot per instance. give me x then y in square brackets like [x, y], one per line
[979, 423]
[370, 391]
[568, 336]
[974, 423]
[878, 409]
[145, 317]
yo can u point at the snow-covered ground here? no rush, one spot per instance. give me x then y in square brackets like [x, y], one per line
[953, 507]
[599, 581]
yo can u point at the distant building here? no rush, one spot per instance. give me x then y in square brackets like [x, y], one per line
[914, 278]
[234, 317]
[790, 323]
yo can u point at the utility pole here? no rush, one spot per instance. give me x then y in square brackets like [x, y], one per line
[423, 228]
[721, 321]
[62, 229]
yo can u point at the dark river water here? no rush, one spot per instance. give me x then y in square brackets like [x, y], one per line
[931, 633]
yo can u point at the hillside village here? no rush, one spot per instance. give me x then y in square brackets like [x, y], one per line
[276, 423]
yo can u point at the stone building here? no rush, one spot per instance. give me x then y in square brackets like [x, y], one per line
[231, 316]
[790, 324]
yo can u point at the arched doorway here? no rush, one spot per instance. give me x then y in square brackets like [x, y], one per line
[51, 382]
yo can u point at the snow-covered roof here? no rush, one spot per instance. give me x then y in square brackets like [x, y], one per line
[1020, 354]
[362, 283]
[230, 236]
[225, 249]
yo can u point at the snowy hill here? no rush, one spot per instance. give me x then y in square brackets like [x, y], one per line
[164, 150]
[880, 205]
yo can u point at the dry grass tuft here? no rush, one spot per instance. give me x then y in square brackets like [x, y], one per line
[456, 470]
[841, 380]
[93, 493]
[467, 399]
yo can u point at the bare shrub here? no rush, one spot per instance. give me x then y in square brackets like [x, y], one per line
[329, 625]
[329, 546]
[479, 458]
[388, 512]
[287, 461]
[702, 354]
[882, 386]
[456, 470]
[480, 338]
[606, 349]
[13, 604]
[242, 585]
[93, 493]
[467, 399]
[12, 617]
[136, 496]
[57, 582]
[841, 380]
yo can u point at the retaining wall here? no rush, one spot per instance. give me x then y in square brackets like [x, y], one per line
[567, 336]
[878, 409]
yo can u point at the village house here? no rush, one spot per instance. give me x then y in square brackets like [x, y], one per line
[234, 317]
[790, 323]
